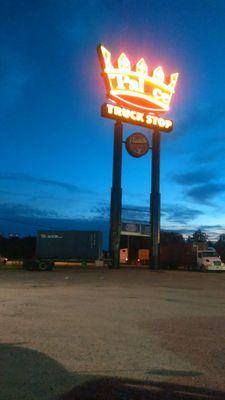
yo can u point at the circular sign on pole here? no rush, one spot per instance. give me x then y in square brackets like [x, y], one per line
[137, 144]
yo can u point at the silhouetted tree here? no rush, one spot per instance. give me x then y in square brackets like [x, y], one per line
[222, 238]
[17, 248]
[198, 236]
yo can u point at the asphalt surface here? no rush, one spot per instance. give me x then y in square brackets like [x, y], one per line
[104, 334]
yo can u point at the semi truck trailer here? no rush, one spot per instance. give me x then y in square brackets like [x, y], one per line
[195, 256]
[191, 256]
[68, 246]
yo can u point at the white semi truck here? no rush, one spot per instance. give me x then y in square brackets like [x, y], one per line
[209, 260]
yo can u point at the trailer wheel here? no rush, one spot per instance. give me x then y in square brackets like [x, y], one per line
[45, 266]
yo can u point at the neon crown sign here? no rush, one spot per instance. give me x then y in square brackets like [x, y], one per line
[148, 93]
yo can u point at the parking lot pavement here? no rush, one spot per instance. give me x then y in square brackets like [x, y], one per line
[130, 328]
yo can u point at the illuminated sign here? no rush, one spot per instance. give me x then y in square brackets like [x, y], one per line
[137, 144]
[136, 117]
[136, 89]
[131, 229]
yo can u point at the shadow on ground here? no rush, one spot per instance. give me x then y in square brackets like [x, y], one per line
[132, 389]
[30, 375]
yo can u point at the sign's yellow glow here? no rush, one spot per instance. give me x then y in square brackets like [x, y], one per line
[136, 117]
[137, 89]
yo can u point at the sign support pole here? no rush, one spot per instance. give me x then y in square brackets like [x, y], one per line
[155, 203]
[116, 197]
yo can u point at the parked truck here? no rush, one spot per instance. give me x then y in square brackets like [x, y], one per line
[195, 256]
[209, 260]
[68, 246]
[192, 256]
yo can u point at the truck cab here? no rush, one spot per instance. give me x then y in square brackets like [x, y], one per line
[209, 260]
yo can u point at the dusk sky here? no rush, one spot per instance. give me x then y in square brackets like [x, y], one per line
[56, 149]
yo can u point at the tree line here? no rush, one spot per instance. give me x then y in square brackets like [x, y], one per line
[16, 248]
[22, 248]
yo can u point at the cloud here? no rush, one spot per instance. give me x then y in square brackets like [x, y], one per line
[207, 116]
[204, 227]
[212, 231]
[201, 185]
[129, 212]
[212, 154]
[172, 213]
[204, 126]
[194, 177]
[12, 86]
[135, 213]
[101, 211]
[16, 177]
[14, 76]
[21, 210]
[206, 192]
[25, 220]
[180, 214]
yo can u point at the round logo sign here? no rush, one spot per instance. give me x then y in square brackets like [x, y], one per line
[137, 144]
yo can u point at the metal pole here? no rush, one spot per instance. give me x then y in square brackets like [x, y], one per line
[116, 197]
[128, 249]
[155, 203]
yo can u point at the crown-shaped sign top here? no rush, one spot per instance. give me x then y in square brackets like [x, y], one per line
[136, 88]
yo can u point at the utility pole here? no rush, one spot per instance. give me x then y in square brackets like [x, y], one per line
[155, 203]
[116, 197]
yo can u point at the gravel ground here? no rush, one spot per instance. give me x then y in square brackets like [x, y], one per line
[127, 334]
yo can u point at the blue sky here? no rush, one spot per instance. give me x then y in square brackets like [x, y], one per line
[56, 150]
